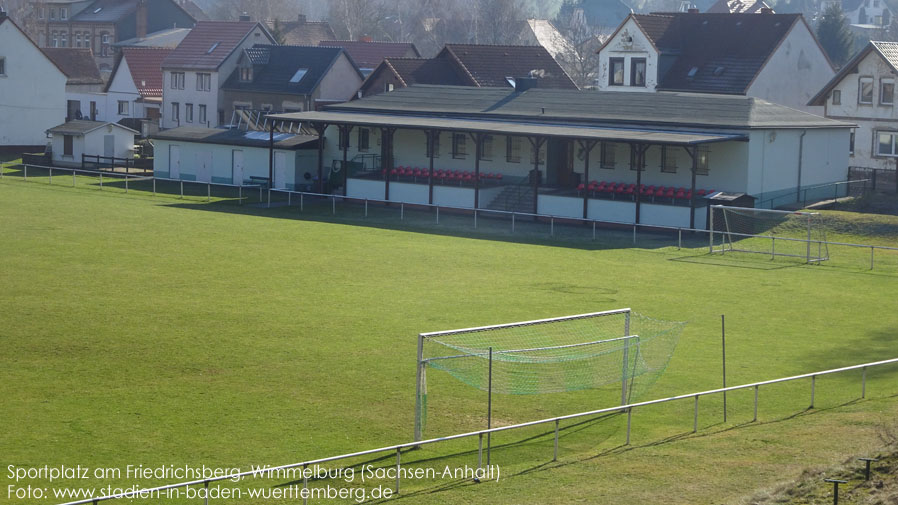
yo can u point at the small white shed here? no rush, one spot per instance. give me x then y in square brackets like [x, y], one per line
[74, 139]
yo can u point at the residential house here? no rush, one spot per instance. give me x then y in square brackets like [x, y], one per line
[870, 14]
[135, 89]
[301, 32]
[863, 92]
[740, 7]
[771, 56]
[368, 54]
[84, 86]
[621, 157]
[32, 90]
[81, 137]
[290, 78]
[470, 65]
[193, 153]
[194, 72]
[99, 24]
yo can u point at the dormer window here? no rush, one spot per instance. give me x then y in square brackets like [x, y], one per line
[246, 74]
[63, 13]
[637, 72]
[692, 73]
[616, 74]
[298, 75]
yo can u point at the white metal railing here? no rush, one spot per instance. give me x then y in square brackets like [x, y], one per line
[628, 408]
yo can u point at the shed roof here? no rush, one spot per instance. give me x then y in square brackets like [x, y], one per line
[209, 44]
[78, 65]
[693, 110]
[235, 137]
[84, 126]
[279, 64]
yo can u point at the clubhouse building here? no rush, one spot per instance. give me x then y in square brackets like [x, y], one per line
[648, 158]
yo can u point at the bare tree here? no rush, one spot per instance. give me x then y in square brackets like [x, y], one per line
[582, 62]
[256, 10]
[498, 21]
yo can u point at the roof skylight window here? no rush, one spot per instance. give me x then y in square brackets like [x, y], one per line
[299, 75]
[212, 48]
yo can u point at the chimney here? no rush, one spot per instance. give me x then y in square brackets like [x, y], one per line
[766, 10]
[525, 83]
[692, 10]
[141, 19]
[244, 17]
[366, 38]
[2, 14]
[301, 18]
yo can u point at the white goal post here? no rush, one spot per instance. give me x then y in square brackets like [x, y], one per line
[796, 234]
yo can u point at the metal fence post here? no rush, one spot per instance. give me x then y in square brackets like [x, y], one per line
[73, 178]
[101, 181]
[512, 222]
[154, 186]
[871, 257]
[555, 454]
[206, 497]
[438, 214]
[551, 226]
[401, 211]
[126, 184]
[813, 389]
[209, 192]
[629, 422]
[305, 485]
[50, 178]
[269, 198]
[679, 238]
[480, 450]
[864, 383]
[26, 172]
[366, 207]
[398, 456]
[593, 230]
[634, 234]
[240, 194]
[475, 219]
[301, 201]
[334, 212]
[260, 193]
[695, 416]
[756, 405]
[182, 188]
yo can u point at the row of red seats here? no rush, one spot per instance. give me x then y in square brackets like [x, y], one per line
[450, 175]
[622, 188]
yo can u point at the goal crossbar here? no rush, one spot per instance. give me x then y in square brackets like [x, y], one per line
[532, 349]
[524, 323]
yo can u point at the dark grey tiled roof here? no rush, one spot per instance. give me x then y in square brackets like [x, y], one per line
[237, 137]
[281, 64]
[594, 107]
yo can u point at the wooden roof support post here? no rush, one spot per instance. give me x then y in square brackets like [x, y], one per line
[320, 128]
[536, 143]
[478, 146]
[587, 146]
[345, 132]
[270, 156]
[693, 153]
[431, 135]
[386, 157]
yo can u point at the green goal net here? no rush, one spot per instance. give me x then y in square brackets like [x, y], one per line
[549, 356]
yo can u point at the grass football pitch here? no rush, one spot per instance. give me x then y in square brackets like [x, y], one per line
[140, 330]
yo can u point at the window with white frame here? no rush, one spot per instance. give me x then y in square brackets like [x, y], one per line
[616, 72]
[188, 112]
[76, 39]
[865, 90]
[513, 149]
[54, 39]
[63, 39]
[851, 142]
[63, 13]
[837, 97]
[887, 91]
[3, 67]
[637, 71]
[202, 114]
[176, 112]
[104, 45]
[887, 144]
[177, 80]
[203, 82]
[123, 108]
[52, 13]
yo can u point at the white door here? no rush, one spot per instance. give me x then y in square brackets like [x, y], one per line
[280, 170]
[174, 162]
[237, 166]
[109, 146]
[204, 166]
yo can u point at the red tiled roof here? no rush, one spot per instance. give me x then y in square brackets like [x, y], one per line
[78, 65]
[209, 43]
[491, 65]
[145, 64]
[370, 54]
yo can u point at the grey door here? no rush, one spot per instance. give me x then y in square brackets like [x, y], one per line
[109, 146]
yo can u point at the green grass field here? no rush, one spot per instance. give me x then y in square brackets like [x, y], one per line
[153, 331]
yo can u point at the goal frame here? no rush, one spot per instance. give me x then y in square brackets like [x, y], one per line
[420, 375]
[728, 235]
